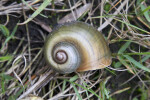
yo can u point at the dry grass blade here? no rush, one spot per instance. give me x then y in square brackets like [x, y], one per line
[75, 14]
[40, 83]
[108, 21]
[120, 91]
[31, 97]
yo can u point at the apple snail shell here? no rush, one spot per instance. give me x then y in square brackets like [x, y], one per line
[76, 46]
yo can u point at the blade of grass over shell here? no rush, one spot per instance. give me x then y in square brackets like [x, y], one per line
[137, 64]
[38, 11]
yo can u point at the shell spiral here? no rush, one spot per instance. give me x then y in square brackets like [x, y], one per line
[76, 46]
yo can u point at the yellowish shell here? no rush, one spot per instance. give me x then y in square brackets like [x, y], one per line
[90, 48]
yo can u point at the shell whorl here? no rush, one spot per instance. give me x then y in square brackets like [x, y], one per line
[63, 54]
[76, 46]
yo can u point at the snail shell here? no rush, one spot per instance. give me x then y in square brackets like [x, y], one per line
[76, 46]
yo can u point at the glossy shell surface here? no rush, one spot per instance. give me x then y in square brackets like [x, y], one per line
[91, 51]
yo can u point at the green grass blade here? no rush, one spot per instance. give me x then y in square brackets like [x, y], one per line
[137, 64]
[2, 84]
[145, 58]
[74, 78]
[125, 64]
[5, 58]
[76, 91]
[90, 90]
[10, 37]
[64, 85]
[145, 12]
[27, 5]
[124, 47]
[111, 71]
[14, 31]
[38, 11]
[32, 8]
[4, 80]
[132, 26]
[4, 30]
[117, 64]
[6, 77]
[104, 91]
[137, 53]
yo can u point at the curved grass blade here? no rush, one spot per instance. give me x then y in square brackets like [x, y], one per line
[31, 7]
[42, 6]
[137, 64]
